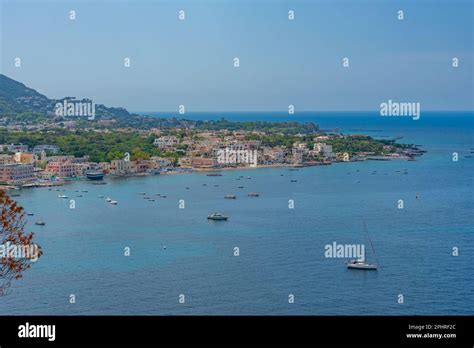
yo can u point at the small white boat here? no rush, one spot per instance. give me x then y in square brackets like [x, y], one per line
[217, 217]
[114, 202]
[360, 264]
[230, 197]
[253, 194]
[40, 222]
[62, 196]
[101, 196]
[30, 214]
[108, 199]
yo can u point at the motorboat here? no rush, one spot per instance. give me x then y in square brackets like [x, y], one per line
[217, 217]
[40, 222]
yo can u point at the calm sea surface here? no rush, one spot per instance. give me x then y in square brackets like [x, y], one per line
[281, 249]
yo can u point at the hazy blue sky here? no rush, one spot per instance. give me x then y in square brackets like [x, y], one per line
[282, 62]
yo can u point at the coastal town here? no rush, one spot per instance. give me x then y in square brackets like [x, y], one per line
[45, 142]
[46, 164]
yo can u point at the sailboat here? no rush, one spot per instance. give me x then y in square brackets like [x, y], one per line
[40, 222]
[361, 263]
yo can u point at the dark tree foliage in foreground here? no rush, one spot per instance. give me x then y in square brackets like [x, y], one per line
[12, 231]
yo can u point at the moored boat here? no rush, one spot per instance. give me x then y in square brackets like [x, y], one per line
[217, 217]
[94, 175]
[40, 222]
[361, 263]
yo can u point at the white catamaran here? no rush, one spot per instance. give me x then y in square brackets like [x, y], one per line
[361, 263]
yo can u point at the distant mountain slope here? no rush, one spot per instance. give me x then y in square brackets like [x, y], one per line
[15, 97]
[24, 105]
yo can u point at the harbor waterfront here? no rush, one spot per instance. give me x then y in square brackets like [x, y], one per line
[178, 251]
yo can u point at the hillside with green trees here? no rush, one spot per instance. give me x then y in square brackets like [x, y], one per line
[101, 147]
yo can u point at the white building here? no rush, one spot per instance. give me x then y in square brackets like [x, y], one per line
[14, 148]
[52, 149]
[325, 150]
[122, 167]
[166, 142]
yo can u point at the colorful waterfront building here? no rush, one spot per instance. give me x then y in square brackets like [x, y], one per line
[61, 169]
[17, 173]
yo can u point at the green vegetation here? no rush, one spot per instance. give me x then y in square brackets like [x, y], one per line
[30, 117]
[350, 144]
[268, 127]
[274, 140]
[101, 147]
[356, 143]
[6, 108]
[107, 146]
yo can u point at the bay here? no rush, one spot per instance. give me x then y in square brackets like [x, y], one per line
[281, 249]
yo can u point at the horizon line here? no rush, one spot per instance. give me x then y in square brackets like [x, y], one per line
[285, 112]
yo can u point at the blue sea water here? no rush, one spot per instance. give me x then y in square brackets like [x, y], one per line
[281, 249]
